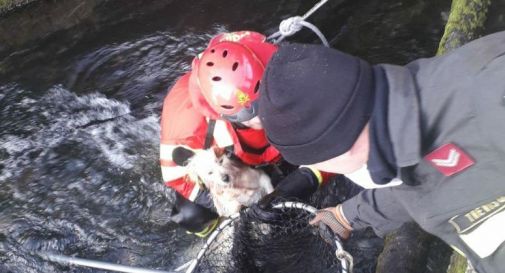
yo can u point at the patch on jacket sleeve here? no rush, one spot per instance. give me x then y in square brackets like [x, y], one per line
[449, 159]
[482, 228]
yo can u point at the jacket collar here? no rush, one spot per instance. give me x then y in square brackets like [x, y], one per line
[403, 115]
[381, 160]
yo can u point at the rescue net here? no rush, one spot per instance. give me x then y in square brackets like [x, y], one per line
[285, 244]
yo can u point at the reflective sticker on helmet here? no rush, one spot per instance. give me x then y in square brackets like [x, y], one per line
[242, 97]
[234, 36]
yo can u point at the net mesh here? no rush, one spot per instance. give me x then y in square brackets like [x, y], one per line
[290, 244]
[286, 244]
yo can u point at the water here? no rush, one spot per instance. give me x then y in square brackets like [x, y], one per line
[79, 129]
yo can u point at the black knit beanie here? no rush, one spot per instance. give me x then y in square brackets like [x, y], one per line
[314, 102]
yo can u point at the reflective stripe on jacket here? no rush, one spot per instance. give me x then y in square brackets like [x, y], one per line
[183, 125]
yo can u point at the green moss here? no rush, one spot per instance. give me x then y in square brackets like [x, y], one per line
[6, 5]
[458, 264]
[466, 19]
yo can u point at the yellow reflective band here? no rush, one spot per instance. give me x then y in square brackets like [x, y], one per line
[317, 173]
[208, 229]
[242, 97]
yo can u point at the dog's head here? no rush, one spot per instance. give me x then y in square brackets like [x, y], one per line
[216, 169]
[231, 183]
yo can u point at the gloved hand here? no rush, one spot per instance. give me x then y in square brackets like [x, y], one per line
[334, 219]
[300, 185]
[194, 218]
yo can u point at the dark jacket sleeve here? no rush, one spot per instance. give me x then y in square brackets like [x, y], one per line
[192, 216]
[376, 208]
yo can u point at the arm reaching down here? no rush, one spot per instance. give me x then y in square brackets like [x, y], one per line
[376, 208]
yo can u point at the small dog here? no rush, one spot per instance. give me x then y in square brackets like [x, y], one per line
[231, 183]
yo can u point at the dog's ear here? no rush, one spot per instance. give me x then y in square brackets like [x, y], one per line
[181, 156]
[219, 152]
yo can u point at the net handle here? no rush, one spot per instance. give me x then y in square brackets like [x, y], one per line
[343, 256]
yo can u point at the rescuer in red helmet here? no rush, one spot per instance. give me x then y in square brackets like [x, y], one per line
[215, 106]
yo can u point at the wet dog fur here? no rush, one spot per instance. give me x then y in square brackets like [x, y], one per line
[231, 183]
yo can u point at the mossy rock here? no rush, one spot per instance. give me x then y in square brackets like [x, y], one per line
[7, 5]
[465, 23]
[458, 264]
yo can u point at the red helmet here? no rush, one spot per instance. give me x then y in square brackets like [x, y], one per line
[227, 75]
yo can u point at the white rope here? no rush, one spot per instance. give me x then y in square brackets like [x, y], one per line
[316, 31]
[292, 25]
[314, 9]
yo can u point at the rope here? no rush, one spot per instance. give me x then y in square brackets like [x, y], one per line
[292, 25]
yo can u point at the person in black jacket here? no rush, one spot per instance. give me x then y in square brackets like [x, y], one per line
[432, 131]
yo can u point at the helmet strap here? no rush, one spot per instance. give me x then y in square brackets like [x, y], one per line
[209, 137]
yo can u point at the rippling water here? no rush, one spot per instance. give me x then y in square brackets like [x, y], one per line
[79, 172]
[79, 139]
[79, 129]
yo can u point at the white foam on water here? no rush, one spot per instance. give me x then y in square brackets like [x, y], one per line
[93, 121]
